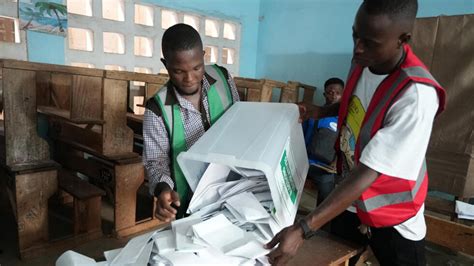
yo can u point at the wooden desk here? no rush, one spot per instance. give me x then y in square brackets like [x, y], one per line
[324, 249]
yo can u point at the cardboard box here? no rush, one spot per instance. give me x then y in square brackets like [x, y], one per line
[256, 136]
[446, 45]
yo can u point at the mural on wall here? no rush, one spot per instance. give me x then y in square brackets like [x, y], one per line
[44, 16]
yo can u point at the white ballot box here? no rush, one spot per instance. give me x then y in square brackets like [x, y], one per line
[247, 173]
[251, 139]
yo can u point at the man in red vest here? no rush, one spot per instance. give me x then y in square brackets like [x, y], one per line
[385, 121]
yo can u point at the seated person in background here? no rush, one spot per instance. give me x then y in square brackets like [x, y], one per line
[178, 115]
[320, 137]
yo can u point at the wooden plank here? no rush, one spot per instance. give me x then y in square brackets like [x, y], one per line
[33, 166]
[77, 187]
[16, 64]
[73, 160]
[79, 134]
[289, 95]
[32, 192]
[66, 115]
[248, 83]
[112, 158]
[151, 89]
[449, 234]
[242, 93]
[21, 140]
[266, 92]
[117, 137]
[149, 225]
[86, 101]
[43, 88]
[449, 172]
[439, 205]
[61, 90]
[275, 83]
[128, 179]
[87, 215]
[323, 249]
[253, 95]
[129, 76]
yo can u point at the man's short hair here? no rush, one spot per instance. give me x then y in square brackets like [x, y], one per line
[395, 9]
[333, 81]
[180, 37]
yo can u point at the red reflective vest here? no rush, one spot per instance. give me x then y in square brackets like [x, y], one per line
[389, 200]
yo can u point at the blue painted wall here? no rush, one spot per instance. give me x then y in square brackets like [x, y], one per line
[45, 48]
[310, 40]
[245, 11]
[303, 40]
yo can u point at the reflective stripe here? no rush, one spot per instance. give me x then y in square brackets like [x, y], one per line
[365, 136]
[393, 198]
[221, 85]
[166, 111]
[219, 99]
[365, 132]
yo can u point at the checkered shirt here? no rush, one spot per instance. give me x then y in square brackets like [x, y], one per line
[156, 152]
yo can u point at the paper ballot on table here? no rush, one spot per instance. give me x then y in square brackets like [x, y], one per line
[71, 258]
[221, 234]
[133, 250]
[213, 175]
[251, 250]
[247, 205]
[181, 229]
[111, 254]
[164, 241]
[464, 210]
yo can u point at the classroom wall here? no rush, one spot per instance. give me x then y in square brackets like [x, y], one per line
[50, 49]
[245, 11]
[310, 40]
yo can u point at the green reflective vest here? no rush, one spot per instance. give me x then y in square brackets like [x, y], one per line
[219, 99]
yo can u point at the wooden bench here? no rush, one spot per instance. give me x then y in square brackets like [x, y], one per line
[86, 204]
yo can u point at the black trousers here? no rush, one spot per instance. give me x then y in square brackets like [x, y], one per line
[391, 248]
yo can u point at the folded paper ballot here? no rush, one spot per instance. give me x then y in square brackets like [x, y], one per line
[184, 241]
[464, 210]
[247, 205]
[230, 227]
[71, 258]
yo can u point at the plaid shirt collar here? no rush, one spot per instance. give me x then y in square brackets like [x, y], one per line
[206, 83]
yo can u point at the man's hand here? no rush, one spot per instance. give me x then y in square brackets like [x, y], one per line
[290, 240]
[307, 111]
[164, 211]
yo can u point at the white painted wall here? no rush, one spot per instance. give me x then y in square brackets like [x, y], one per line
[129, 29]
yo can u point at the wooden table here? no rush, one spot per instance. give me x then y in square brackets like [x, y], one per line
[325, 249]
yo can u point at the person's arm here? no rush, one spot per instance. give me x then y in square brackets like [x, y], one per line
[156, 160]
[316, 112]
[397, 149]
[291, 238]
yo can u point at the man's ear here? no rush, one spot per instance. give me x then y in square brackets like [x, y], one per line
[404, 38]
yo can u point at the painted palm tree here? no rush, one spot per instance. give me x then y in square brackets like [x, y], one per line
[49, 8]
[31, 14]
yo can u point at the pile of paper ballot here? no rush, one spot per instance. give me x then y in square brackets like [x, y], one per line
[230, 222]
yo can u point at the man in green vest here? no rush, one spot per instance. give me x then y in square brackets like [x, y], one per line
[179, 114]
